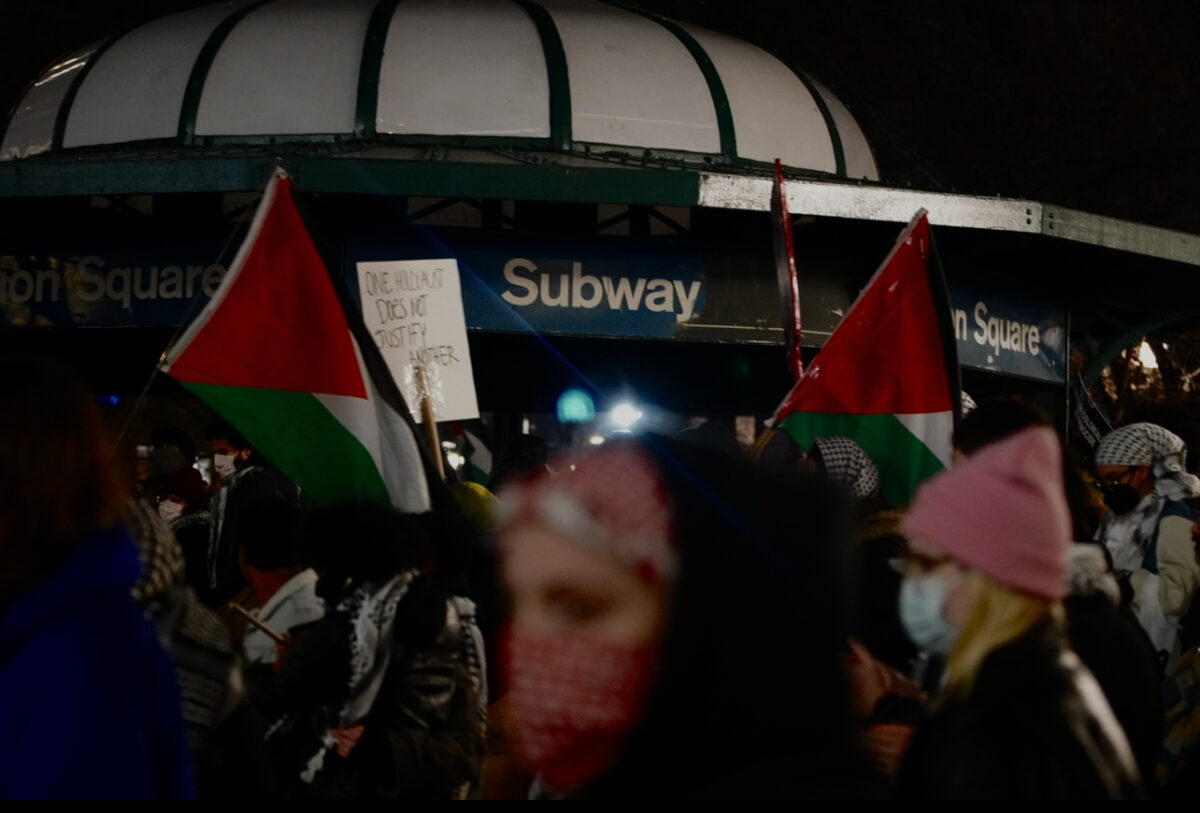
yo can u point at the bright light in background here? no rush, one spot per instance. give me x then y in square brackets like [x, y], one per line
[596, 440]
[626, 415]
[453, 457]
[1146, 356]
[575, 406]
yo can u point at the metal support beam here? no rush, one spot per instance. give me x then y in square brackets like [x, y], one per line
[351, 174]
[862, 202]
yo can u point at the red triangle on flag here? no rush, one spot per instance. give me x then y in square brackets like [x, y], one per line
[889, 353]
[277, 322]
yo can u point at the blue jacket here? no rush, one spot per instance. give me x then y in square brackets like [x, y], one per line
[88, 702]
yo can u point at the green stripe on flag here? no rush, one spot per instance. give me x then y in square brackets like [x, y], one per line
[903, 460]
[302, 438]
[472, 472]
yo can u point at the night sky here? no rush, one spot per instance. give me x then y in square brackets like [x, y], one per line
[1093, 105]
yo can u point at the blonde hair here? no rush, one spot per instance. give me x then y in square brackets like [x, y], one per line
[998, 616]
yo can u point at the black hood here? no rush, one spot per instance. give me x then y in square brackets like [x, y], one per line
[750, 700]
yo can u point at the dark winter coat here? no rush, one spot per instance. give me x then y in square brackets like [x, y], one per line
[1114, 647]
[1035, 726]
[88, 701]
[238, 499]
[878, 624]
[751, 702]
[423, 738]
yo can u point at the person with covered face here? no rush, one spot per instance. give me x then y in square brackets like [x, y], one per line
[181, 502]
[1018, 715]
[676, 620]
[245, 485]
[1148, 530]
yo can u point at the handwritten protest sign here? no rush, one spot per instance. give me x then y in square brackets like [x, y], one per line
[414, 311]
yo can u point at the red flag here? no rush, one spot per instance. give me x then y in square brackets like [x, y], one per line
[278, 355]
[888, 377]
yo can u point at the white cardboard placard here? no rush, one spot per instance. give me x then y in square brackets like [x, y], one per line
[414, 312]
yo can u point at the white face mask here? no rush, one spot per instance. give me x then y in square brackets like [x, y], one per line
[922, 602]
[170, 510]
[224, 466]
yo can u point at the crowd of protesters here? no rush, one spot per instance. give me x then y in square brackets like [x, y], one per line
[651, 618]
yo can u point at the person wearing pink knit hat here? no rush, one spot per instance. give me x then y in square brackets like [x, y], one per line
[1018, 716]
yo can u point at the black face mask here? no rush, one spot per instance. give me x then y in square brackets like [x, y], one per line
[1120, 498]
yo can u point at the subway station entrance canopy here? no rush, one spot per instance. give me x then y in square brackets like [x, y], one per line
[573, 76]
[572, 100]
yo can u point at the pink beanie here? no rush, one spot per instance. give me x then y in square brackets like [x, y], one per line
[1002, 512]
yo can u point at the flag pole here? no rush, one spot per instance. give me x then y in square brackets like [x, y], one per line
[785, 273]
[789, 292]
[429, 418]
[249, 616]
[761, 444]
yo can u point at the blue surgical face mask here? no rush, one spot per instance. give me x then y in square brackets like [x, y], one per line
[922, 600]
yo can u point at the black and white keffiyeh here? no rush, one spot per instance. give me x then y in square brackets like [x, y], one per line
[848, 465]
[1165, 453]
[161, 557]
[206, 667]
[967, 404]
[371, 611]
[1146, 444]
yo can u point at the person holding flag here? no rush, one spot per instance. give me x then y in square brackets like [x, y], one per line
[281, 355]
[900, 418]
[276, 353]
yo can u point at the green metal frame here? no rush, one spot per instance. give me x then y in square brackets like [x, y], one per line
[556, 71]
[204, 62]
[367, 104]
[716, 88]
[64, 107]
[839, 155]
[351, 175]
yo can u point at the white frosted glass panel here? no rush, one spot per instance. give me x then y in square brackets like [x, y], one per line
[860, 163]
[31, 129]
[470, 67]
[135, 90]
[287, 69]
[774, 114]
[632, 81]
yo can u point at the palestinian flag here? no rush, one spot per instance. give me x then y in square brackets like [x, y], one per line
[477, 454]
[276, 354]
[888, 377]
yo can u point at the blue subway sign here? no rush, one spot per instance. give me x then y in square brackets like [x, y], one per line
[518, 282]
[1008, 334]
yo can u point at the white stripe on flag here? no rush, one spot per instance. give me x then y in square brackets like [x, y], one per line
[387, 438]
[935, 430]
[481, 455]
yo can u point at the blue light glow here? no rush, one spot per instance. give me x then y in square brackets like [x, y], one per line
[575, 406]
